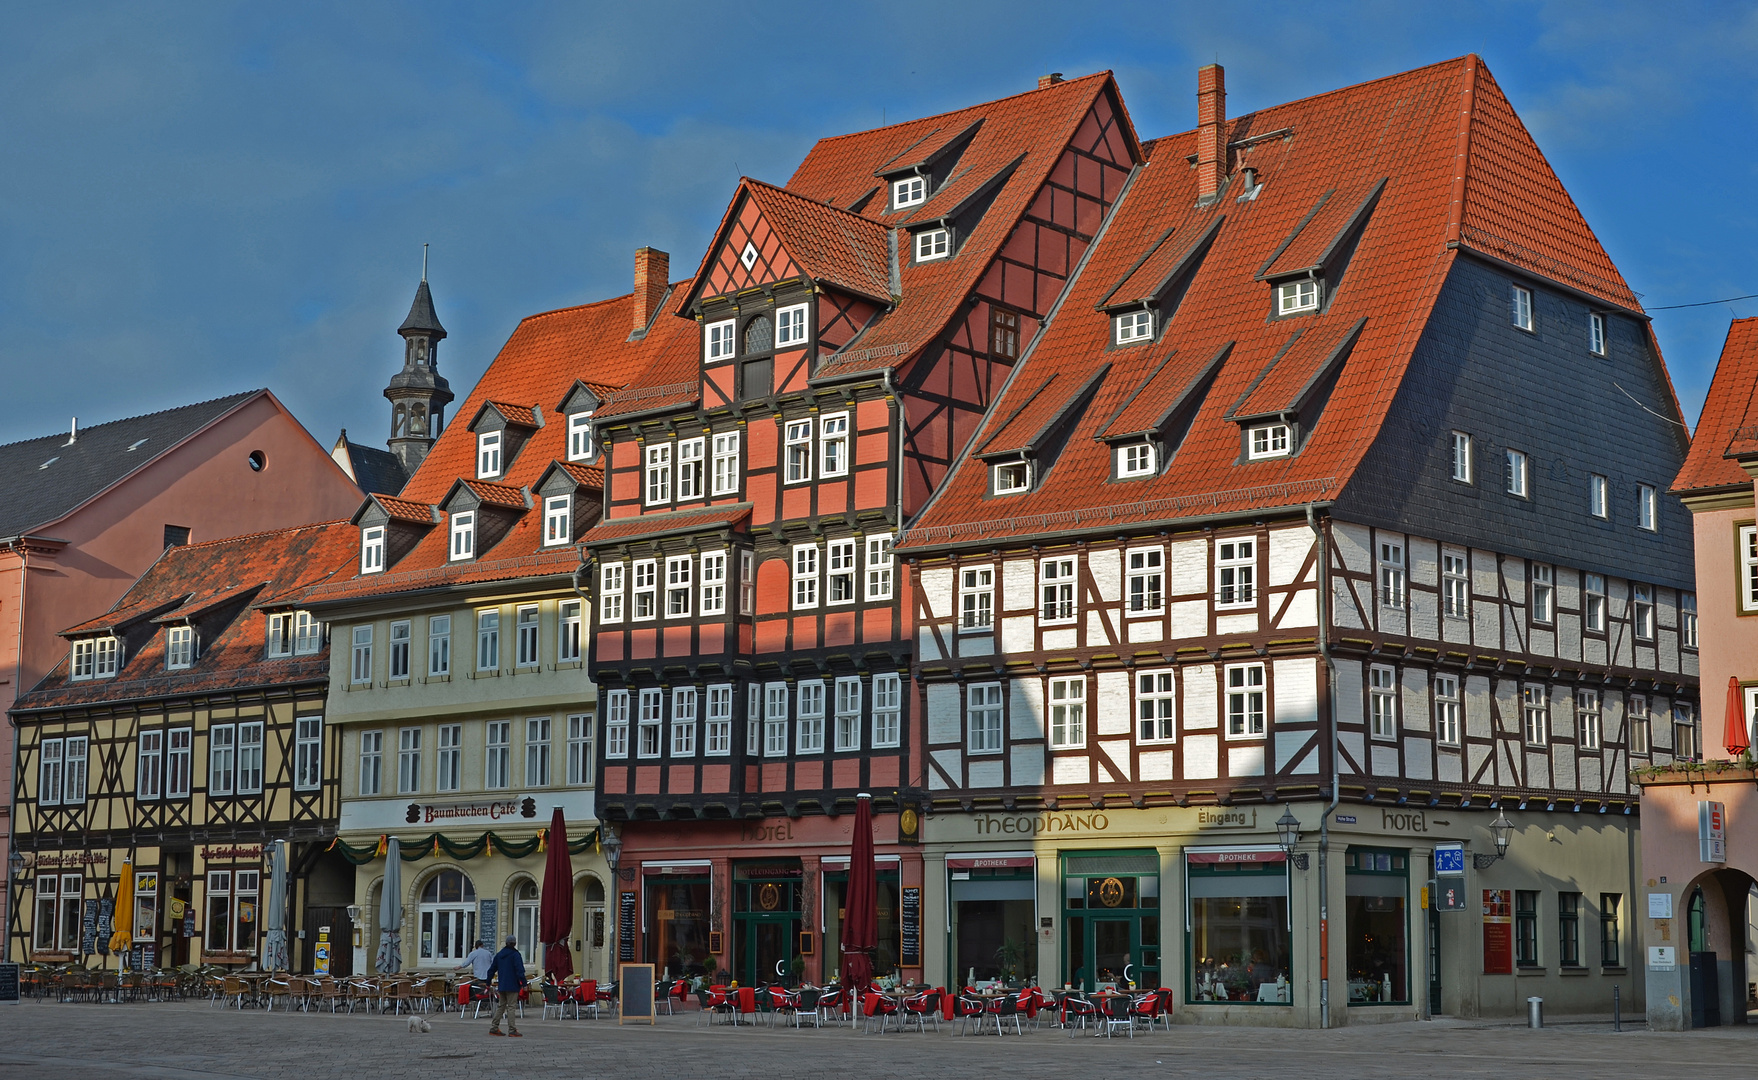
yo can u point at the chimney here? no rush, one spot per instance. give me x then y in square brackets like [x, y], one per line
[72, 432]
[1049, 80]
[652, 278]
[1211, 130]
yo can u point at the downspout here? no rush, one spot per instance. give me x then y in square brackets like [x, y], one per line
[1324, 847]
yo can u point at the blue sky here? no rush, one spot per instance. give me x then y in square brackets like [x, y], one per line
[202, 198]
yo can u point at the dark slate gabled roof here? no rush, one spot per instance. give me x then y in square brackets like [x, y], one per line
[375, 471]
[32, 495]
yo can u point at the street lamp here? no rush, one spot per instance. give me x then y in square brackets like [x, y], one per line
[1501, 830]
[613, 847]
[1288, 832]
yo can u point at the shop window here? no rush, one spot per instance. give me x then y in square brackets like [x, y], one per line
[1376, 888]
[677, 922]
[885, 956]
[232, 901]
[146, 907]
[57, 924]
[447, 918]
[1239, 947]
[993, 909]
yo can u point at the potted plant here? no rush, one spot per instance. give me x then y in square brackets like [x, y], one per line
[1009, 957]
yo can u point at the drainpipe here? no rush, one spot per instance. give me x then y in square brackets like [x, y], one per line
[1324, 847]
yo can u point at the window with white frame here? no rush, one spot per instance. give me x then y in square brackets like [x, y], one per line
[1382, 687]
[775, 720]
[810, 737]
[80, 666]
[1146, 580]
[718, 340]
[1544, 593]
[983, 710]
[1598, 496]
[58, 922]
[690, 466]
[879, 566]
[1446, 710]
[579, 436]
[146, 906]
[558, 517]
[840, 571]
[580, 748]
[610, 593]
[488, 454]
[1587, 718]
[976, 598]
[526, 637]
[1535, 709]
[1520, 305]
[805, 568]
[683, 721]
[537, 751]
[1392, 573]
[658, 484]
[488, 640]
[223, 761]
[1236, 573]
[798, 451]
[714, 583]
[231, 905]
[360, 669]
[280, 638]
[49, 772]
[106, 657]
[1748, 558]
[568, 621]
[616, 724]
[250, 757]
[649, 720]
[1245, 701]
[1297, 296]
[1687, 740]
[790, 326]
[833, 445]
[463, 535]
[1593, 603]
[73, 772]
[747, 581]
[887, 709]
[1688, 620]
[910, 191]
[1135, 459]
[448, 758]
[372, 762]
[179, 647]
[726, 464]
[308, 634]
[645, 587]
[1642, 611]
[717, 734]
[1641, 741]
[848, 714]
[439, 645]
[408, 760]
[1647, 509]
[1156, 706]
[1267, 441]
[372, 549]
[754, 720]
[179, 752]
[1132, 326]
[933, 244]
[1056, 590]
[149, 774]
[1462, 471]
[1068, 713]
[1596, 334]
[1455, 585]
[1516, 464]
[1010, 477]
[399, 656]
[679, 586]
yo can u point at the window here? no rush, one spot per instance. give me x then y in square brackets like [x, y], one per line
[848, 714]
[1641, 736]
[1516, 473]
[1056, 587]
[57, 922]
[107, 657]
[833, 445]
[1462, 471]
[754, 720]
[1236, 573]
[1136, 459]
[372, 762]
[557, 520]
[659, 474]
[526, 628]
[1610, 940]
[976, 598]
[49, 773]
[73, 775]
[146, 907]
[81, 665]
[449, 758]
[933, 244]
[1642, 611]
[649, 722]
[879, 567]
[910, 191]
[616, 724]
[1598, 496]
[537, 751]
[717, 736]
[1748, 568]
[719, 340]
[984, 722]
[1003, 333]
[1010, 477]
[488, 454]
[841, 573]
[1569, 929]
[747, 582]
[372, 549]
[759, 332]
[308, 753]
[1446, 710]
[1068, 713]
[1383, 701]
[1647, 517]
[1526, 928]
[887, 709]
[1544, 593]
[1596, 334]
[1688, 620]
[679, 585]
[149, 782]
[713, 583]
[799, 451]
[1520, 301]
[179, 647]
[579, 436]
[810, 739]
[683, 722]
[1686, 744]
[447, 914]
[790, 326]
[1297, 296]
[690, 469]
[1593, 603]
[250, 758]
[1455, 586]
[232, 909]
[1155, 706]
[408, 760]
[1535, 708]
[223, 760]
[399, 665]
[360, 669]
[610, 593]
[726, 464]
[488, 640]
[646, 589]
[806, 576]
[1587, 724]
[497, 757]
[1245, 701]
[1145, 580]
[568, 621]
[775, 720]
[439, 645]
[1391, 574]
[1267, 441]
[463, 535]
[580, 748]
[1133, 326]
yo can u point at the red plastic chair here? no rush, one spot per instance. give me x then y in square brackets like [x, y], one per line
[920, 1009]
[1075, 1012]
[747, 1002]
[967, 1010]
[877, 1006]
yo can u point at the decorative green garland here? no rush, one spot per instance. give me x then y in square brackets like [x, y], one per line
[436, 844]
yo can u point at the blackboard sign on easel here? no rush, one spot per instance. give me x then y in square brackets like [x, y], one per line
[8, 983]
[635, 994]
[909, 944]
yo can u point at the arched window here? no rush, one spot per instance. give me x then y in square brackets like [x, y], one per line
[448, 917]
[525, 920]
[399, 421]
[594, 891]
[759, 335]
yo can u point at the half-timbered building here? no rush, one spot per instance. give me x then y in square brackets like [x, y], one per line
[1333, 497]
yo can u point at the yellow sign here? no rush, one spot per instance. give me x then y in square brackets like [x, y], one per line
[768, 897]
[1425, 898]
[320, 959]
[1111, 892]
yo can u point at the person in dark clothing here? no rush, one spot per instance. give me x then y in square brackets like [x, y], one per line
[508, 973]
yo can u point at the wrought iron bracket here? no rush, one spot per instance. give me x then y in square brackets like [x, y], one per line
[1300, 860]
[1484, 862]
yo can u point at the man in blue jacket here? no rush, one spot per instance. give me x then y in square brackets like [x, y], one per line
[508, 971]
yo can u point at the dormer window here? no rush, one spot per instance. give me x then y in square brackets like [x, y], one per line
[488, 454]
[718, 340]
[558, 514]
[463, 535]
[910, 191]
[179, 647]
[308, 634]
[790, 326]
[1267, 441]
[1294, 297]
[372, 549]
[280, 641]
[933, 244]
[1010, 477]
[1132, 326]
[1136, 459]
[579, 436]
[95, 658]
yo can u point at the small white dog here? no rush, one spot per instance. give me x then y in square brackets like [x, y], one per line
[419, 1023]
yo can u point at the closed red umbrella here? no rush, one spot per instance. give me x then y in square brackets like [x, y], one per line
[555, 910]
[860, 921]
[1737, 738]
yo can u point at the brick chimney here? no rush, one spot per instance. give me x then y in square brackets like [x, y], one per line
[1049, 80]
[1211, 130]
[652, 277]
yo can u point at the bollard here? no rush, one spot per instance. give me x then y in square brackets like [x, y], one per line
[1617, 1008]
[1534, 1012]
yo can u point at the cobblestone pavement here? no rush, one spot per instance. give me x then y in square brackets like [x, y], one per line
[191, 1041]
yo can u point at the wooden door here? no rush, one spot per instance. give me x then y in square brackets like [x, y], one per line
[341, 941]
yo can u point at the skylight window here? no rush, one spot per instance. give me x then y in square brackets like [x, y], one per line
[463, 535]
[933, 244]
[1297, 296]
[910, 191]
[1134, 326]
[1267, 441]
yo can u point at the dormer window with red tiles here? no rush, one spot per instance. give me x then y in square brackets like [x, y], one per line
[179, 647]
[1267, 441]
[1010, 477]
[909, 191]
[96, 658]
[558, 515]
[372, 549]
[1136, 460]
[933, 244]
[579, 436]
[488, 455]
[1296, 297]
[463, 536]
[1132, 326]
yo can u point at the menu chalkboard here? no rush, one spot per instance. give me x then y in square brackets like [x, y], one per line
[88, 928]
[909, 944]
[635, 1003]
[488, 924]
[626, 927]
[8, 982]
[106, 923]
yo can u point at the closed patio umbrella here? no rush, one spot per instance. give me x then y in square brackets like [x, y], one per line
[274, 950]
[860, 921]
[122, 919]
[1738, 739]
[390, 913]
[555, 910]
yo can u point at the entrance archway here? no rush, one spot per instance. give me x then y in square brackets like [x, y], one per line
[1714, 942]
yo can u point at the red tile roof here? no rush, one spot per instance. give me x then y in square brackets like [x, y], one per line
[502, 495]
[523, 415]
[1729, 424]
[834, 246]
[584, 475]
[418, 513]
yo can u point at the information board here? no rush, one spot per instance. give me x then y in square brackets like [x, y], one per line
[8, 983]
[909, 934]
[635, 992]
[88, 929]
[626, 927]
[488, 924]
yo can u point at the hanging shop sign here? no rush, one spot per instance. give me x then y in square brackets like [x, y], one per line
[1711, 832]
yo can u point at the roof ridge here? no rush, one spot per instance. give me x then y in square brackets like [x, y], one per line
[813, 202]
[241, 395]
[252, 536]
[968, 108]
[1232, 120]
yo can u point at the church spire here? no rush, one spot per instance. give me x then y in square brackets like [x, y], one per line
[418, 394]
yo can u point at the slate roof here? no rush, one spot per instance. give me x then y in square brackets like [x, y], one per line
[46, 479]
[1728, 427]
[375, 471]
